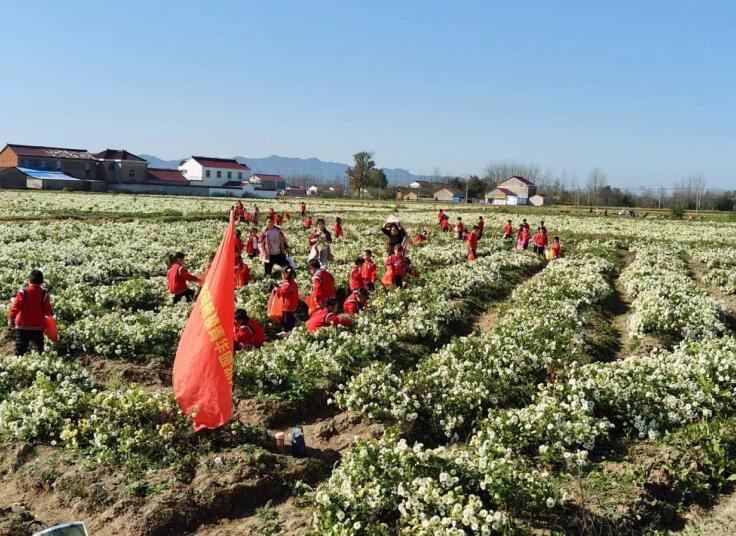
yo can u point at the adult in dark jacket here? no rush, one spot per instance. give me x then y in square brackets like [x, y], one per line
[396, 235]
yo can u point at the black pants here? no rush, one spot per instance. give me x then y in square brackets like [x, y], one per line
[187, 295]
[459, 235]
[398, 281]
[279, 259]
[288, 321]
[24, 337]
[539, 250]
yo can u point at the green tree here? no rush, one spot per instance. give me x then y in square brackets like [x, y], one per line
[677, 211]
[377, 179]
[360, 173]
[476, 187]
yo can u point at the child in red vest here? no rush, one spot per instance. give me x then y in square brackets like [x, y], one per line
[522, 238]
[251, 244]
[507, 230]
[289, 293]
[398, 266]
[178, 277]
[355, 302]
[248, 332]
[460, 228]
[481, 225]
[242, 273]
[473, 243]
[326, 315]
[555, 247]
[238, 243]
[445, 225]
[356, 275]
[308, 222]
[323, 284]
[337, 229]
[368, 270]
[540, 241]
[302, 208]
[28, 314]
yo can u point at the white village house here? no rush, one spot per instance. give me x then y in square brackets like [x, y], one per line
[207, 171]
[513, 191]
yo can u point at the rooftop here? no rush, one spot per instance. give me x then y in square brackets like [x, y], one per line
[224, 163]
[117, 154]
[50, 152]
[167, 175]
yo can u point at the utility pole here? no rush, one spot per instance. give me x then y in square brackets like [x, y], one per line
[467, 183]
[660, 197]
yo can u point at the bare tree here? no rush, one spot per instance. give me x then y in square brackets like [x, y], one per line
[696, 183]
[596, 181]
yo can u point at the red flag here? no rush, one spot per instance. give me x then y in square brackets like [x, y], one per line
[203, 367]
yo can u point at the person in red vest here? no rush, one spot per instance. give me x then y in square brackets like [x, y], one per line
[325, 316]
[323, 283]
[460, 228]
[445, 225]
[507, 230]
[440, 216]
[308, 222]
[522, 238]
[178, 277]
[473, 242]
[420, 237]
[251, 243]
[286, 217]
[356, 274]
[481, 225]
[540, 241]
[397, 264]
[289, 293]
[555, 247]
[302, 208]
[238, 243]
[368, 270]
[248, 332]
[337, 229]
[277, 218]
[27, 315]
[242, 272]
[355, 302]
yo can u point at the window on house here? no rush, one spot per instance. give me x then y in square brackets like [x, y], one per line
[58, 165]
[219, 174]
[229, 175]
[110, 166]
[86, 167]
[43, 164]
[240, 175]
[131, 175]
[207, 173]
[25, 162]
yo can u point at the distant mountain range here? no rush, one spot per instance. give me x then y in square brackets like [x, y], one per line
[289, 167]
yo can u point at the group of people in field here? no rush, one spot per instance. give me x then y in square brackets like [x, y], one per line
[31, 311]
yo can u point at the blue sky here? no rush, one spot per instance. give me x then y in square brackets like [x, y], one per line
[645, 90]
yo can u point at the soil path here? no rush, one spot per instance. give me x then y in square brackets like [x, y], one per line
[718, 521]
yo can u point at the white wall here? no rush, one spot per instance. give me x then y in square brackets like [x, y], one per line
[198, 173]
[191, 170]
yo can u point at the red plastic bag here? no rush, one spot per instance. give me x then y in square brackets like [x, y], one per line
[51, 330]
[275, 307]
[388, 278]
[311, 304]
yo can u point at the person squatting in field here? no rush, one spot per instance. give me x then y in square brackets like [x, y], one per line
[28, 314]
[355, 302]
[247, 332]
[178, 277]
[326, 315]
[323, 284]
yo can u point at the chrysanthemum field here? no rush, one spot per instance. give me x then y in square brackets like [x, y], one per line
[590, 394]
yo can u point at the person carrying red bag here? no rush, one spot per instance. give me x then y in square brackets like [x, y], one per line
[472, 240]
[325, 316]
[248, 332]
[28, 314]
[337, 229]
[368, 270]
[396, 263]
[288, 292]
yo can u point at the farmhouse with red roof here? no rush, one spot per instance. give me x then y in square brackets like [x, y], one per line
[513, 191]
